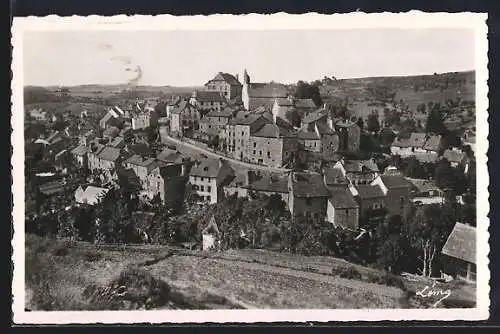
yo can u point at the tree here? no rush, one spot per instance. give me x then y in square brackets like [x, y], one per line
[435, 120]
[391, 246]
[307, 91]
[373, 124]
[360, 123]
[293, 117]
[427, 232]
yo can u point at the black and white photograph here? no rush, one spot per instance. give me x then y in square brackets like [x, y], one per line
[256, 165]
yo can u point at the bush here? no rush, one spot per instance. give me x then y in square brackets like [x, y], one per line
[133, 289]
[350, 272]
[92, 256]
[61, 249]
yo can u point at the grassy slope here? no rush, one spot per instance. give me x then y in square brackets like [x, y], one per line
[233, 279]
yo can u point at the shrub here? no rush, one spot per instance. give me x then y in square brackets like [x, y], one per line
[92, 256]
[62, 249]
[132, 289]
[350, 272]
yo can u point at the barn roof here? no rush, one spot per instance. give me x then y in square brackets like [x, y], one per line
[461, 243]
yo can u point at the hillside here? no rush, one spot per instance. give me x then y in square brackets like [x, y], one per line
[80, 276]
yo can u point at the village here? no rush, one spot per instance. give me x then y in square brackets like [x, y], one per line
[241, 164]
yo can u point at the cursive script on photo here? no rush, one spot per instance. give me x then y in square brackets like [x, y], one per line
[432, 291]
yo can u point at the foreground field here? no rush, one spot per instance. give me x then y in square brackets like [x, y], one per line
[80, 276]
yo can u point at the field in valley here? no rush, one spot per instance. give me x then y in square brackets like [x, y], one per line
[78, 276]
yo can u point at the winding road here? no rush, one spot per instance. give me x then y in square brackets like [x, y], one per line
[233, 162]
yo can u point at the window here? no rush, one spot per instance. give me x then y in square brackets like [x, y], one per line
[268, 154]
[242, 133]
[253, 152]
[209, 189]
[402, 203]
[208, 198]
[202, 188]
[254, 144]
[316, 215]
[308, 202]
[209, 126]
[260, 153]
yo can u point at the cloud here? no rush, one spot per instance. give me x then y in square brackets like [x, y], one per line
[135, 80]
[105, 46]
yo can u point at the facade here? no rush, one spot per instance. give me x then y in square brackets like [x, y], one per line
[342, 209]
[311, 119]
[455, 156]
[308, 195]
[256, 95]
[79, 153]
[398, 193]
[214, 122]
[208, 177]
[235, 137]
[167, 182]
[358, 171]
[272, 185]
[424, 192]
[184, 118]
[206, 101]
[103, 157]
[349, 136]
[226, 85]
[370, 197]
[417, 143]
[141, 166]
[271, 146]
[144, 119]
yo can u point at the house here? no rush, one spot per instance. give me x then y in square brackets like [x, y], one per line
[461, 245]
[397, 191]
[416, 143]
[235, 137]
[311, 119]
[167, 182]
[237, 185]
[211, 236]
[255, 94]
[143, 119]
[349, 136]
[269, 186]
[342, 209]
[126, 176]
[369, 197]
[52, 188]
[426, 158]
[455, 156]
[208, 177]
[184, 118]
[173, 103]
[358, 171]
[225, 84]
[90, 195]
[282, 106]
[117, 142]
[425, 192]
[111, 132]
[215, 121]
[112, 118]
[102, 157]
[310, 140]
[271, 145]
[38, 114]
[334, 178]
[141, 166]
[79, 153]
[308, 195]
[206, 101]
[329, 140]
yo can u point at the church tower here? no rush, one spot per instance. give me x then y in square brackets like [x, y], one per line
[246, 77]
[245, 98]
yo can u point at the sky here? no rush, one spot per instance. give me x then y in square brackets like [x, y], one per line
[191, 58]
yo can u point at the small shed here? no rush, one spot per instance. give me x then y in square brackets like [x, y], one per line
[211, 235]
[461, 245]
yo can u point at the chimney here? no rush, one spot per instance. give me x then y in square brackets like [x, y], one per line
[248, 177]
[237, 77]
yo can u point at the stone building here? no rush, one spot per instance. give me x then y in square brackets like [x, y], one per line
[167, 182]
[208, 177]
[271, 145]
[397, 191]
[206, 101]
[225, 84]
[141, 166]
[214, 122]
[349, 136]
[255, 95]
[184, 118]
[282, 106]
[342, 209]
[308, 195]
[101, 157]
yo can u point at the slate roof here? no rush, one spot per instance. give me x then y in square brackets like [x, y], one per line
[207, 96]
[344, 124]
[51, 188]
[324, 129]
[117, 141]
[358, 166]
[422, 185]
[80, 150]
[109, 153]
[270, 131]
[223, 113]
[433, 143]
[426, 157]
[369, 191]
[395, 181]
[270, 184]
[343, 199]
[454, 155]
[417, 139]
[305, 104]
[334, 176]
[180, 107]
[206, 168]
[308, 185]
[228, 78]
[111, 132]
[307, 135]
[244, 119]
[461, 243]
[267, 90]
[314, 116]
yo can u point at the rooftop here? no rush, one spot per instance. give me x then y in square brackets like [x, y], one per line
[369, 191]
[229, 78]
[395, 181]
[270, 184]
[342, 199]
[267, 90]
[109, 153]
[314, 116]
[206, 168]
[308, 185]
[461, 243]
[207, 96]
[270, 131]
